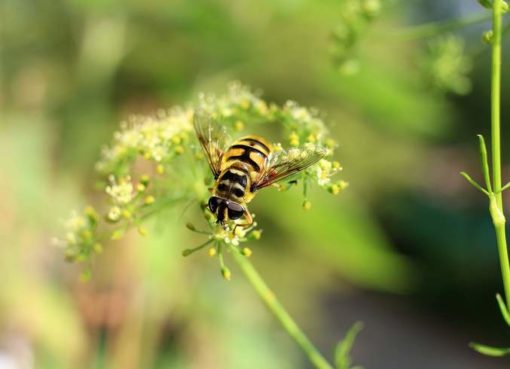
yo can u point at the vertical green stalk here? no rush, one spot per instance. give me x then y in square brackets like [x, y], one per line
[279, 311]
[496, 198]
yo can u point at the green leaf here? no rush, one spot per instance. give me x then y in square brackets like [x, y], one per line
[343, 349]
[485, 3]
[505, 187]
[489, 350]
[485, 162]
[474, 183]
[503, 308]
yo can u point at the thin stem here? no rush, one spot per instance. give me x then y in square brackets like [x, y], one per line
[496, 102]
[195, 249]
[434, 28]
[279, 311]
[496, 205]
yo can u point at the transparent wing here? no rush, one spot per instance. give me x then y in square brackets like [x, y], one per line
[285, 164]
[212, 137]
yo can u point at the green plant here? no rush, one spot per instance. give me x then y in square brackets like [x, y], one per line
[173, 171]
[493, 186]
[446, 65]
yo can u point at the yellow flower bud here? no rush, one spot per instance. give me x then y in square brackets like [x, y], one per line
[140, 187]
[86, 234]
[246, 252]
[142, 231]
[294, 139]
[371, 8]
[256, 234]
[330, 143]
[98, 248]
[212, 251]
[160, 169]
[117, 234]
[149, 200]
[145, 180]
[179, 150]
[225, 272]
[245, 104]
[239, 125]
[91, 214]
[261, 106]
[307, 205]
[334, 189]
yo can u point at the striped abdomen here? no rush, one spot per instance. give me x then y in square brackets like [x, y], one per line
[241, 164]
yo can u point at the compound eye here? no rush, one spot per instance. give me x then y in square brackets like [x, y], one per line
[213, 204]
[235, 211]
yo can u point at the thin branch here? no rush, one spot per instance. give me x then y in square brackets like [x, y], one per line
[279, 311]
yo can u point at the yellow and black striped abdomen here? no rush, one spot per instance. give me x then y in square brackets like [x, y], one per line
[241, 164]
[252, 151]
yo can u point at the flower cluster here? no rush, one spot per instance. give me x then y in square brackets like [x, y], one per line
[446, 66]
[129, 202]
[355, 16]
[156, 138]
[81, 240]
[147, 163]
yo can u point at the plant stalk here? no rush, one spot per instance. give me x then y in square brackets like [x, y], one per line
[496, 202]
[279, 311]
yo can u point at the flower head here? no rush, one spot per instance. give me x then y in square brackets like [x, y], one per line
[154, 162]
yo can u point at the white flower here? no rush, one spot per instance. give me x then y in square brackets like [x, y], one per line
[324, 172]
[122, 192]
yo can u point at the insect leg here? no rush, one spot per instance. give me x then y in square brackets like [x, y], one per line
[247, 221]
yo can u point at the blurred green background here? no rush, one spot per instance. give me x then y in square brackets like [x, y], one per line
[408, 248]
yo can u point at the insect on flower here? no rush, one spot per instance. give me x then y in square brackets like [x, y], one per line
[244, 167]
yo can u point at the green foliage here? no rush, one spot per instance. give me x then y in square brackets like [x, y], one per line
[343, 358]
[492, 173]
[355, 17]
[446, 66]
[489, 350]
[503, 309]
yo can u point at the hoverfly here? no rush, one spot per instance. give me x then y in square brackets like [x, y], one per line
[244, 167]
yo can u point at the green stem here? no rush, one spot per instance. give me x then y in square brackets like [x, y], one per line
[434, 28]
[279, 311]
[496, 205]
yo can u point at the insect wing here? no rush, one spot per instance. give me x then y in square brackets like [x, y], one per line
[212, 137]
[286, 164]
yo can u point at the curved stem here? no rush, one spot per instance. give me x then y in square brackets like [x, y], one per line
[279, 311]
[496, 208]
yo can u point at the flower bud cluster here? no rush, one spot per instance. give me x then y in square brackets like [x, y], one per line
[155, 138]
[80, 241]
[355, 17]
[446, 66]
